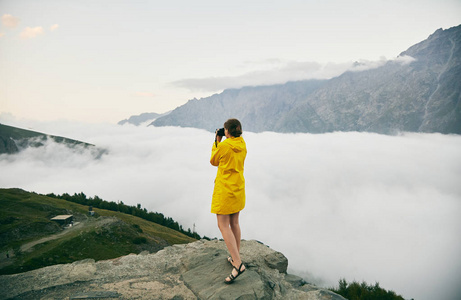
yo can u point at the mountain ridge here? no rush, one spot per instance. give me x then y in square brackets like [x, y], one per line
[14, 139]
[422, 94]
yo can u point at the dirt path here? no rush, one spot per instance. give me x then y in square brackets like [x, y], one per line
[28, 246]
[101, 221]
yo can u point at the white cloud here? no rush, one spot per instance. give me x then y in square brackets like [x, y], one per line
[363, 65]
[30, 32]
[278, 73]
[1, 34]
[405, 59]
[355, 205]
[10, 21]
[54, 27]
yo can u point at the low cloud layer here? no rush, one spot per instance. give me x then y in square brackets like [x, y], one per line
[278, 72]
[355, 205]
[363, 65]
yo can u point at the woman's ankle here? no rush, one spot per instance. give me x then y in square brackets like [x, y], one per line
[236, 263]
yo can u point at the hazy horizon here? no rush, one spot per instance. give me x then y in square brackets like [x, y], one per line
[362, 206]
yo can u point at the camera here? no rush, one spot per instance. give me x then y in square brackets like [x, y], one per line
[220, 132]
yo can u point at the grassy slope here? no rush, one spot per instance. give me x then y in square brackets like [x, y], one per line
[25, 219]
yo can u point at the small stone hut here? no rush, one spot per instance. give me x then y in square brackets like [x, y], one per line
[63, 220]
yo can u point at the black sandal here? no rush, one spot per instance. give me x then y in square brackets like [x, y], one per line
[232, 277]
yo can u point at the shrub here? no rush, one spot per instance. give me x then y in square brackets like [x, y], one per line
[363, 291]
[139, 240]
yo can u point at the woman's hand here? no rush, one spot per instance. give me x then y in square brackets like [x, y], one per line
[217, 137]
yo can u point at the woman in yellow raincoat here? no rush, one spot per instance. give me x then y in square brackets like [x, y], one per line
[229, 190]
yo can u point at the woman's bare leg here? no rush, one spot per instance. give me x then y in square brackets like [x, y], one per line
[224, 224]
[235, 227]
[229, 237]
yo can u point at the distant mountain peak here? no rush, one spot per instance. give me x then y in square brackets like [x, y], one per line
[417, 92]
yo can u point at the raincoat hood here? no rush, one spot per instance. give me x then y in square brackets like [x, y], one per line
[236, 144]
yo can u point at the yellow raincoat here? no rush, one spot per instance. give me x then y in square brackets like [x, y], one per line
[229, 189]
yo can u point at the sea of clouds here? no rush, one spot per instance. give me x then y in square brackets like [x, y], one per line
[358, 206]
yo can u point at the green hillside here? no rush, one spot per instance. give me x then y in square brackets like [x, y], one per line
[30, 240]
[12, 138]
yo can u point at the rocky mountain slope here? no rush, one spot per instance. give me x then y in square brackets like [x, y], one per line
[190, 271]
[259, 108]
[418, 92]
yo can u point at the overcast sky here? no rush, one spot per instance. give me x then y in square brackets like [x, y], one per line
[107, 60]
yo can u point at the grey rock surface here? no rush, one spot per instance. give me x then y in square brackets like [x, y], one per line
[190, 271]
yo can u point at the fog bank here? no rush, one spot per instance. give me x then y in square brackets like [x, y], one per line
[356, 205]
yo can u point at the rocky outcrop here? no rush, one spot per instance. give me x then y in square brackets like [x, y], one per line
[191, 271]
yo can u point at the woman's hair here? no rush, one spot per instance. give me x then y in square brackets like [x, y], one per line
[234, 127]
